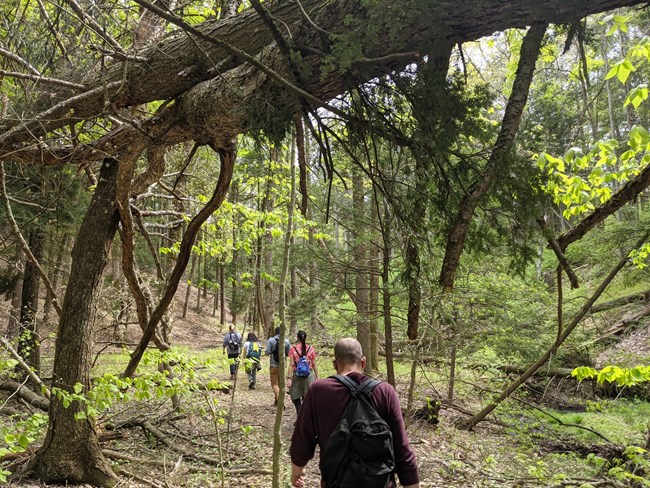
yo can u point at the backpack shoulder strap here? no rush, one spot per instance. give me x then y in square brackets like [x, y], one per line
[368, 385]
[352, 385]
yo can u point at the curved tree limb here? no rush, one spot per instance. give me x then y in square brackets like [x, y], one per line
[228, 156]
[627, 193]
[504, 143]
[124, 177]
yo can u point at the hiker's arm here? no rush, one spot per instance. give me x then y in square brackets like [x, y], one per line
[297, 475]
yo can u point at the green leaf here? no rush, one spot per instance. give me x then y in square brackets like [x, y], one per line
[612, 72]
[23, 441]
[622, 73]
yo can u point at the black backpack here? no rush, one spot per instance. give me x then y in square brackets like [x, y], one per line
[276, 350]
[233, 342]
[359, 452]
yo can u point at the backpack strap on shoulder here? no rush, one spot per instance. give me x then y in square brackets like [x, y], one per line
[368, 385]
[352, 385]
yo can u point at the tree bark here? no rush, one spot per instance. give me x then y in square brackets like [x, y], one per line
[361, 296]
[504, 143]
[188, 290]
[385, 282]
[55, 277]
[71, 452]
[373, 284]
[277, 426]
[625, 194]
[181, 62]
[643, 296]
[29, 342]
[14, 315]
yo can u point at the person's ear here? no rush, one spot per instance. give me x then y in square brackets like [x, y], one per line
[334, 363]
[363, 362]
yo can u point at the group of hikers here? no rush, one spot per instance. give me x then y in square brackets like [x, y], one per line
[302, 369]
[355, 420]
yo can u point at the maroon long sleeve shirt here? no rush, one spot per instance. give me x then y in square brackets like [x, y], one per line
[322, 410]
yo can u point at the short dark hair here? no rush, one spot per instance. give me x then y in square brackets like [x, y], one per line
[277, 331]
[251, 337]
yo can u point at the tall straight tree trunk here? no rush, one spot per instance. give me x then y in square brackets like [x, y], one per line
[71, 452]
[60, 250]
[373, 284]
[205, 277]
[293, 329]
[29, 344]
[199, 261]
[222, 297]
[385, 282]
[360, 253]
[14, 315]
[277, 427]
[215, 301]
[268, 305]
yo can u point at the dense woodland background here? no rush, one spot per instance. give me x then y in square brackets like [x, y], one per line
[465, 195]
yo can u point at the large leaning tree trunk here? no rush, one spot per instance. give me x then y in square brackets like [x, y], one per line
[180, 62]
[71, 451]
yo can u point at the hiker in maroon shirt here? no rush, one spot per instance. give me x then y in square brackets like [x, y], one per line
[323, 408]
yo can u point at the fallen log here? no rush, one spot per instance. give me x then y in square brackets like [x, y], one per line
[643, 296]
[544, 372]
[24, 393]
[628, 320]
[154, 462]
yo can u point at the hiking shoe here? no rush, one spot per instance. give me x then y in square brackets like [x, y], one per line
[232, 377]
[251, 386]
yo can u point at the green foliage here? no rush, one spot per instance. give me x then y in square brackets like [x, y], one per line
[17, 437]
[110, 389]
[582, 180]
[614, 374]
[603, 166]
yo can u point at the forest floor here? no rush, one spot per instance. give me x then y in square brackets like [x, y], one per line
[151, 444]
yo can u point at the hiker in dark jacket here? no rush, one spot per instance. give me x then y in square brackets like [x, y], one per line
[272, 349]
[232, 345]
[323, 408]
